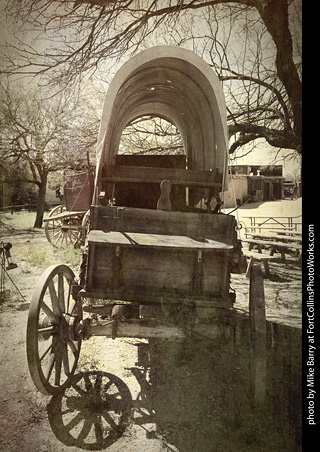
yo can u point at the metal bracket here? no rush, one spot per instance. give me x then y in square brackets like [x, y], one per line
[198, 273]
[116, 267]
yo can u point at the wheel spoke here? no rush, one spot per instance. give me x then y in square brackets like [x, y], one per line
[65, 237]
[60, 234]
[98, 429]
[53, 344]
[58, 366]
[56, 233]
[85, 429]
[74, 229]
[75, 235]
[68, 236]
[75, 421]
[49, 368]
[73, 347]
[65, 359]
[61, 299]
[53, 317]
[79, 390]
[98, 382]
[54, 298]
[110, 420]
[107, 386]
[47, 330]
[55, 225]
[72, 304]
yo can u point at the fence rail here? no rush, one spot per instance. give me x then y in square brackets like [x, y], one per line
[18, 206]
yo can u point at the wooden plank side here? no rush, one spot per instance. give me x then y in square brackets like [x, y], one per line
[148, 270]
[211, 226]
[100, 261]
[177, 176]
[216, 273]
[150, 283]
[154, 160]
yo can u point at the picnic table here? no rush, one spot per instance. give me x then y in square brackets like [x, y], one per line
[276, 223]
[275, 245]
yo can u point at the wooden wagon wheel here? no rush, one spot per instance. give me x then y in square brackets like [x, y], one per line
[257, 316]
[56, 210]
[62, 231]
[53, 344]
[53, 226]
[92, 413]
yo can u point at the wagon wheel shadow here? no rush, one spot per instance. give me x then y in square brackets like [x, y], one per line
[93, 412]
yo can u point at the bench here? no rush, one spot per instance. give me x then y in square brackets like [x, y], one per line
[253, 256]
[294, 234]
[274, 237]
[282, 247]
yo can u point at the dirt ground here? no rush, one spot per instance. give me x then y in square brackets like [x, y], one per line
[131, 395]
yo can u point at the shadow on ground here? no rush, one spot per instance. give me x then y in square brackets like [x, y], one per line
[194, 396]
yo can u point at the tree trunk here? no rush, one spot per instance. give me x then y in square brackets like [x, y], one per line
[275, 17]
[41, 200]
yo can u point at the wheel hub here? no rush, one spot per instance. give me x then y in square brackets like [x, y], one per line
[69, 328]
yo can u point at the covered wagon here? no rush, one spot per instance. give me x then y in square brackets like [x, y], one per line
[159, 253]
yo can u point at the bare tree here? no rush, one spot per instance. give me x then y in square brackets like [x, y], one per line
[42, 134]
[151, 135]
[257, 101]
[86, 33]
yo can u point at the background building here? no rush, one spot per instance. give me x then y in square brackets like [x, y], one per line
[256, 183]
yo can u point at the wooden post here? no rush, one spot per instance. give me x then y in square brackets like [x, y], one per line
[258, 334]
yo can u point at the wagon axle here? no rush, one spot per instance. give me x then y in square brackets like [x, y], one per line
[72, 328]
